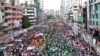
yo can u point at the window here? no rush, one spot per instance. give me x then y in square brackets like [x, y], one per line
[97, 23]
[91, 1]
[93, 22]
[94, 0]
[93, 16]
[96, 15]
[90, 22]
[12, 2]
[96, 7]
[2, 4]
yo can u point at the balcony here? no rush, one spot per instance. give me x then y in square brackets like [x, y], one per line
[8, 11]
[8, 28]
[1, 6]
[20, 20]
[8, 5]
[30, 10]
[31, 17]
[19, 17]
[14, 12]
[10, 22]
[14, 16]
[30, 14]
[5, 24]
[15, 7]
[10, 16]
[19, 12]
[2, 1]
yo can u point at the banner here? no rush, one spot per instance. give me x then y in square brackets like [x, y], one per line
[80, 14]
[80, 17]
[0, 16]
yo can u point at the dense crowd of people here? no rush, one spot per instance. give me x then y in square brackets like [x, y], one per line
[19, 47]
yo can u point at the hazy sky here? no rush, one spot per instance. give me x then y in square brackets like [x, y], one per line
[49, 4]
[52, 4]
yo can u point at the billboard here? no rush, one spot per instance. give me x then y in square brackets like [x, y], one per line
[80, 15]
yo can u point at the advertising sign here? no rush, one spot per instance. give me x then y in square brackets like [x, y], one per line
[80, 15]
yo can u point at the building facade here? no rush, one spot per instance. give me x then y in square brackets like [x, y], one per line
[42, 10]
[38, 10]
[57, 13]
[64, 9]
[94, 10]
[1, 14]
[11, 11]
[30, 11]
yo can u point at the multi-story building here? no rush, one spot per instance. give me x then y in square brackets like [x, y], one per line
[12, 12]
[65, 8]
[93, 7]
[50, 12]
[41, 4]
[30, 11]
[57, 13]
[42, 10]
[46, 11]
[93, 13]
[1, 14]
[38, 10]
[74, 7]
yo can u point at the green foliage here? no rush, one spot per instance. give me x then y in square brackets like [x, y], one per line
[25, 22]
[50, 17]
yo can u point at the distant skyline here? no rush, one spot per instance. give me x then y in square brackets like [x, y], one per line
[50, 4]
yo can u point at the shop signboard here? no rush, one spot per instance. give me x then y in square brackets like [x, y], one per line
[80, 15]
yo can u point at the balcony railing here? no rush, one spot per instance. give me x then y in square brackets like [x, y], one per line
[8, 11]
[10, 16]
[2, 1]
[8, 5]
[31, 17]
[10, 22]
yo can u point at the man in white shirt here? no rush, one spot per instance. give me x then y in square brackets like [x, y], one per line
[16, 24]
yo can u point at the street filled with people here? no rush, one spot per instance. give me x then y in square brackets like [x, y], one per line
[59, 39]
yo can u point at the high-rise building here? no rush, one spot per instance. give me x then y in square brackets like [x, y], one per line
[50, 12]
[41, 4]
[38, 10]
[42, 10]
[93, 14]
[64, 10]
[30, 11]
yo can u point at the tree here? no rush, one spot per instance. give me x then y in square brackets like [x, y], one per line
[25, 22]
[50, 17]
